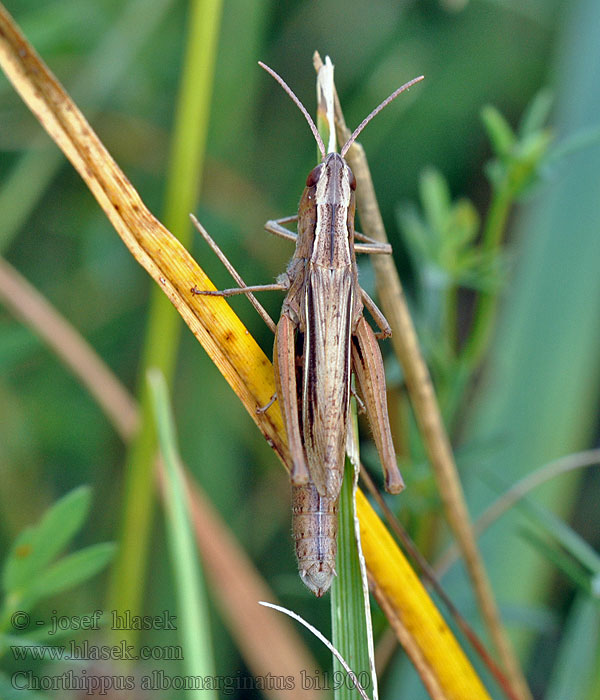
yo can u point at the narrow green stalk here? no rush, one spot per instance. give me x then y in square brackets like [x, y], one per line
[450, 317]
[485, 311]
[350, 612]
[447, 398]
[486, 305]
[193, 619]
[162, 336]
[518, 159]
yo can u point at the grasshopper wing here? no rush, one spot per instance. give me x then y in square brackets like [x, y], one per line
[326, 370]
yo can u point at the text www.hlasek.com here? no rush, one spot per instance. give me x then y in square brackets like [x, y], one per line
[91, 652]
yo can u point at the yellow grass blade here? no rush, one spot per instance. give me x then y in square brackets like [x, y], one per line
[443, 666]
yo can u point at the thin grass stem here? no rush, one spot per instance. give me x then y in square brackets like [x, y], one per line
[193, 619]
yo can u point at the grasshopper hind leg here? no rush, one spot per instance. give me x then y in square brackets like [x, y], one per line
[367, 364]
[284, 362]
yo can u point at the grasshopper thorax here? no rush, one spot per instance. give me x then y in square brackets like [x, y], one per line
[332, 186]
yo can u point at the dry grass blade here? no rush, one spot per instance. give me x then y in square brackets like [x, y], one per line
[30, 306]
[407, 641]
[234, 273]
[420, 387]
[238, 357]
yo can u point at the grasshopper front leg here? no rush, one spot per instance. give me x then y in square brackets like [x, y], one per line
[367, 364]
[284, 362]
[370, 245]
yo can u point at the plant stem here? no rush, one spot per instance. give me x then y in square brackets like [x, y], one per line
[487, 303]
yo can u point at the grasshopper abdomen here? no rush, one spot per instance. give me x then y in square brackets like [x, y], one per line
[315, 527]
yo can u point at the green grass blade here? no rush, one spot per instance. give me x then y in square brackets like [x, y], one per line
[162, 335]
[350, 612]
[559, 558]
[574, 666]
[193, 619]
[565, 536]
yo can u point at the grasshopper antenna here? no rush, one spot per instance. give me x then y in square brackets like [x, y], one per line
[301, 107]
[378, 109]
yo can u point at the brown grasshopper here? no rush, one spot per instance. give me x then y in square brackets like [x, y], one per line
[322, 338]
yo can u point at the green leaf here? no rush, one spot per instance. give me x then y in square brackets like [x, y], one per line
[435, 196]
[38, 545]
[524, 171]
[495, 172]
[416, 234]
[479, 271]
[537, 113]
[463, 223]
[499, 131]
[69, 571]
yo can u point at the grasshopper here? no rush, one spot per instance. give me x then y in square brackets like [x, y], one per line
[321, 340]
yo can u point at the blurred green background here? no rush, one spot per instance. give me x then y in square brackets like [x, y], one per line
[537, 398]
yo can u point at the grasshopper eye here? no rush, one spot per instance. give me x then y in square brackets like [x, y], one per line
[351, 179]
[313, 176]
